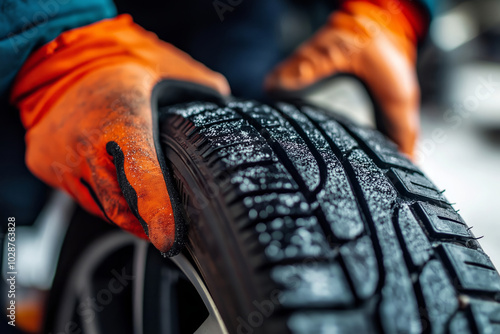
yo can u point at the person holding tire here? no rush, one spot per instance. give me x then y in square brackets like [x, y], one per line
[88, 83]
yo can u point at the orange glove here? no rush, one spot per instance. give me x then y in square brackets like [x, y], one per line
[375, 41]
[87, 104]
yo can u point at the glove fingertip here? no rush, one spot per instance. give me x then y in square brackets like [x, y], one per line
[162, 233]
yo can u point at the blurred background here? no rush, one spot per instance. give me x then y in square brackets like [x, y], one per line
[459, 147]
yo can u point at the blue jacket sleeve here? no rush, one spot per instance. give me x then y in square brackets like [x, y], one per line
[27, 25]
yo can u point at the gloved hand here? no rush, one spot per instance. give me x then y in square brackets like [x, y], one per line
[86, 101]
[374, 40]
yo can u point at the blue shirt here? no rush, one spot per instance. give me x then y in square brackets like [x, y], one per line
[26, 25]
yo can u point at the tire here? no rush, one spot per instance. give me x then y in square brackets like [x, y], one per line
[301, 223]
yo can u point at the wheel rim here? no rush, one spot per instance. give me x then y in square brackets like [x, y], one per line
[146, 273]
[214, 323]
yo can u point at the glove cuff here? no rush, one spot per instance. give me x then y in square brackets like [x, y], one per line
[50, 70]
[48, 73]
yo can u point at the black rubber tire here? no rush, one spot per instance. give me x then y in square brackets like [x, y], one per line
[302, 223]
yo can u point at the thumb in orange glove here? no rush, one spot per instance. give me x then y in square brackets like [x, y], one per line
[376, 42]
[87, 102]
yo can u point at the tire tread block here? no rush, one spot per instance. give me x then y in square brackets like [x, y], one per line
[442, 222]
[472, 268]
[414, 184]
[226, 134]
[338, 203]
[418, 247]
[292, 238]
[460, 324]
[275, 205]
[384, 151]
[188, 110]
[211, 116]
[234, 156]
[312, 285]
[360, 261]
[486, 316]
[266, 116]
[263, 178]
[440, 298]
[299, 154]
[345, 322]
[333, 129]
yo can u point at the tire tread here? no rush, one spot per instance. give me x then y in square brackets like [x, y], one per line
[304, 187]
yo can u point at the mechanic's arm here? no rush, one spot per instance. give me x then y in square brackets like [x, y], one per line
[375, 40]
[86, 102]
